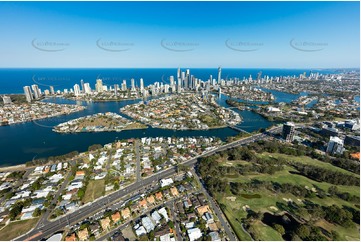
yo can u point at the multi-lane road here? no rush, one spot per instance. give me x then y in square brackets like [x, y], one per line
[48, 228]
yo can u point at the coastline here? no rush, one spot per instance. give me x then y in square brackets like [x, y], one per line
[56, 131]
[13, 168]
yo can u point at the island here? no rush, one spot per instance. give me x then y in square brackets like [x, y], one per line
[186, 111]
[100, 122]
[12, 113]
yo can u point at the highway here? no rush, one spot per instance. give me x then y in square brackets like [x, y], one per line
[49, 228]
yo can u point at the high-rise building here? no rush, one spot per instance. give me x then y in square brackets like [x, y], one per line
[28, 94]
[179, 73]
[82, 85]
[52, 92]
[132, 83]
[6, 99]
[124, 85]
[141, 85]
[99, 85]
[116, 88]
[36, 91]
[288, 131]
[335, 146]
[87, 88]
[219, 75]
[76, 90]
[171, 80]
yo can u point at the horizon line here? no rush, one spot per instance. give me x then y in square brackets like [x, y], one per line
[293, 68]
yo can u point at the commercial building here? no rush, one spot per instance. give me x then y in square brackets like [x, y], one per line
[352, 140]
[335, 145]
[288, 131]
[28, 94]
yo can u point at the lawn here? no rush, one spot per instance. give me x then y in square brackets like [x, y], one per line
[285, 176]
[94, 190]
[234, 209]
[234, 216]
[309, 161]
[265, 233]
[15, 229]
[351, 234]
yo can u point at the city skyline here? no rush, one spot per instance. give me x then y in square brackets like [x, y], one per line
[240, 35]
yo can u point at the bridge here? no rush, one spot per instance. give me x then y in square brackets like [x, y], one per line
[238, 129]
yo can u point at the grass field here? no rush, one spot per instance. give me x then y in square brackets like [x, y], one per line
[15, 229]
[265, 233]
[345, 233]
[309, 161]
[94, 190]
[266, 203]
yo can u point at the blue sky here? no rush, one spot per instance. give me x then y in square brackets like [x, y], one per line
[185, 34]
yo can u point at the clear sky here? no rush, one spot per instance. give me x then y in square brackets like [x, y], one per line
[185, 34]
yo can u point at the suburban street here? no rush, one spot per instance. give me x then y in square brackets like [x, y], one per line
[49, 228]
[217, 210]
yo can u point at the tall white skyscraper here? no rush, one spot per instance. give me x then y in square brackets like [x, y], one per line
[179, 73]
[219, 75]
[132, 84]
[36, 91]
[141, 85]
[124, 85]
[28, 93]
[52, 90]
[87, 88]
[82, 85]
[76, 90]
[116, 88]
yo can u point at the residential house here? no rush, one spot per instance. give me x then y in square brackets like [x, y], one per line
[151, 199]
[116, 217]
[143, 204]
[71, 237]
[94, 228]
[105, 223]
[83, 234]
[159, 196]
[164, 213]
[194, 234]
[125, 213]
[203, 209]
[174, 191]
[214, 236]
[213, 226]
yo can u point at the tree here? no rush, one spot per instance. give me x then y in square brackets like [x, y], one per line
[171, 224]
[303, 231]
[279, 228]
[37, 212]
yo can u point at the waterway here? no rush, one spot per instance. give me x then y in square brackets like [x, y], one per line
[22, 142]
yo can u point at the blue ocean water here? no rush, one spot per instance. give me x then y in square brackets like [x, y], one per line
[12, 80]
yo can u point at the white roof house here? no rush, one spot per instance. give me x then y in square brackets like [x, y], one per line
[148, 224]
[194, 234]
[156, 217]
[163, 212]
[140, 231]
[166, 182]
